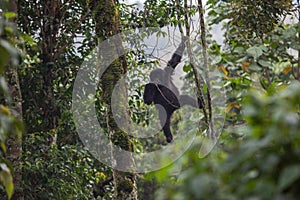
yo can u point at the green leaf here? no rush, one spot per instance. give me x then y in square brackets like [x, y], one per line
[289, 175]
[162, 174]
[219, 10]
[255, 52]
[254, 67]
[3, 85]
[187, 68]
[289, 33]
[274, 45]
[295, 46]
[29, 40]
[4, 55]
[9, 15]
[264, 48]
[265, 63]
[3, 147]
[238, 50]
[6, 180]
[11, 50]
[217, 60]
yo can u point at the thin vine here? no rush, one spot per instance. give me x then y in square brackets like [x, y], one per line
[204, 54]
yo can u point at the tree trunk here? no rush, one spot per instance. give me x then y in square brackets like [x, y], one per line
[49, 33]
[40, 97]
[106, 24]
[14, 144]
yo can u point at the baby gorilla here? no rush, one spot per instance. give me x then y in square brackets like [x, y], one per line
[165, 95]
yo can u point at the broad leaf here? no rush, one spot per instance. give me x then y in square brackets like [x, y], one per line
[6, 179]
[289, 175]
[9, 15]
[255, 52]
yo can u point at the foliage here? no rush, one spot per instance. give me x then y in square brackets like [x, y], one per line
[248, 19]
[151, 15]
[52, 172]
[64, 36]
[59, 36]
[257, 160]
[257, 156]
[262, 58]
[9, 125]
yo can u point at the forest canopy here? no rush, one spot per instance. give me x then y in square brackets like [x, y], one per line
[75, 122]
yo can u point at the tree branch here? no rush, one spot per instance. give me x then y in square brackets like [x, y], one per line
[192, 61]
[204, 53]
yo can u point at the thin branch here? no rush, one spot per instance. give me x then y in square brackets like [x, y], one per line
[192, 61]
[178, 18]
[204, 53]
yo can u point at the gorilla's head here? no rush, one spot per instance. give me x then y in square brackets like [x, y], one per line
[157, 76]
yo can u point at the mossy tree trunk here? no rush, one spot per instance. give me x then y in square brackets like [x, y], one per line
[106, 24]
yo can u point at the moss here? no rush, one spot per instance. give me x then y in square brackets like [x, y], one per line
[106, 24]
[105, 15]
[125, 186]
[122, 140]
[109, 78]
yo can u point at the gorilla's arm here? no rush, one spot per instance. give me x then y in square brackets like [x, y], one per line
[176, 57]
[149, 93]
[190, 101]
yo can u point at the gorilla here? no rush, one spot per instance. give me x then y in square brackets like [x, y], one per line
[165, 95]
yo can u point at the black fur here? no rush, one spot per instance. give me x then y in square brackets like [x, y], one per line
[165, 95]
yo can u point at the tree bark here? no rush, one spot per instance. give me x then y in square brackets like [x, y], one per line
[49, 34]
[14, 143]
[42, 94]
[106, 24]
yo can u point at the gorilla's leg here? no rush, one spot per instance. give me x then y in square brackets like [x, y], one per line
[167, 129]
[188, 100]
[165, 121]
